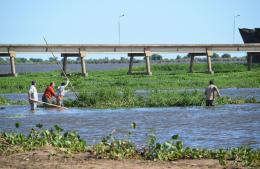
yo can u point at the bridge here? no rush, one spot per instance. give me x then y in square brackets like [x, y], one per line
[133, 50]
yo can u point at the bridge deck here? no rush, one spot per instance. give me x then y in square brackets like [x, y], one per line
[133, 50]
[129, 48]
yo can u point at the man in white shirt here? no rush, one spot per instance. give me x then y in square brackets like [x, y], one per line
[61, 92]
[33, 96]
[211, 92]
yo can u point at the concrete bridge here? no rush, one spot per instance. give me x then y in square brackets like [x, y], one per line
[133, 50]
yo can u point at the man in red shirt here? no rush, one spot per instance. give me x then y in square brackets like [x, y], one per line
[49, 93]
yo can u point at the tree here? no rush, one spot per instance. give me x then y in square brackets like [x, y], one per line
[186, 56]
[226, 55]
[178, 57]
[34, 60]
[123, 60]
[215, 55]
[156, 57]
[20, 60]
[53, 59]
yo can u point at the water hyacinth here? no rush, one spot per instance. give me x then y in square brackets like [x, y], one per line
[111, 147]
[17, 142]
[127, 98]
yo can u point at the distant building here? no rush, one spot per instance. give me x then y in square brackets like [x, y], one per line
[251, 36]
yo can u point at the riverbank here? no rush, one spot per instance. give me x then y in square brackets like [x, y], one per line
[42, 159]
[45, 145]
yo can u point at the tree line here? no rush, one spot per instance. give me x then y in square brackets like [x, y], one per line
[154, 58]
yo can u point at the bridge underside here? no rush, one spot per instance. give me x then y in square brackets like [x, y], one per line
[10, 50]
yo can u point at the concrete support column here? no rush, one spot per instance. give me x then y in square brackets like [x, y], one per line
[148, 54]
[130, 63]
[64, 66]
[249, 61]
[209, 54]
[82, 54]
[191, 62]
[12, 55]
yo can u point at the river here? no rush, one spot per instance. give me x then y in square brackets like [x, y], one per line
[22, 68]
[217, 127]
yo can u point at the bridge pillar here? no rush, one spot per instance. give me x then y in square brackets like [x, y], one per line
[209, 54]
[192, 57]
[191, 62]
[249, 61]
[64, 65]
[12, 56]
[130, 63]
[148, 54]
[82, 54]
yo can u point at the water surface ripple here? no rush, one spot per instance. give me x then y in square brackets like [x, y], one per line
[217, 127]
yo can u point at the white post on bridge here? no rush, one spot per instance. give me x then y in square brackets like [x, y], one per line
[82, 54]
[12, 55]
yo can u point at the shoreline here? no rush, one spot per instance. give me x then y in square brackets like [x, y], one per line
[44, 147]
[49, 158]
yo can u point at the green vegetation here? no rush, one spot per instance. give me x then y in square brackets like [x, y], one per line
[154, 57]
[115, 88]
[173, 149]
[167, 76]
[112, 98]
[14, 142]
[113, 148]
[53, 60]
[4, 101]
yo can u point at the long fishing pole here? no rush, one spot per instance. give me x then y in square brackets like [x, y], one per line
[65, 75]
[53, 105]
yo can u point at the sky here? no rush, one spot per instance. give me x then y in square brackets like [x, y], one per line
[144, 21]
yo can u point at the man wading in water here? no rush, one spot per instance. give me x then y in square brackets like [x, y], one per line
[33, 96]
[210, 92]
[49, 93]
[61, 93]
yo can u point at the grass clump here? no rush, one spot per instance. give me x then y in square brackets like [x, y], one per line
[112, 148]
[173, 149]
[162, 99]
[113, 98]
[14, 142]
[104, 98]
[4, 101]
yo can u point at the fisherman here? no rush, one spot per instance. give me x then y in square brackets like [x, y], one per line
[211, 92]
[49, 93]
[61, 93]
[33, 96]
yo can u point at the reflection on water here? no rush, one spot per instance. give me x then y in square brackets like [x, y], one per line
[222, 126]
